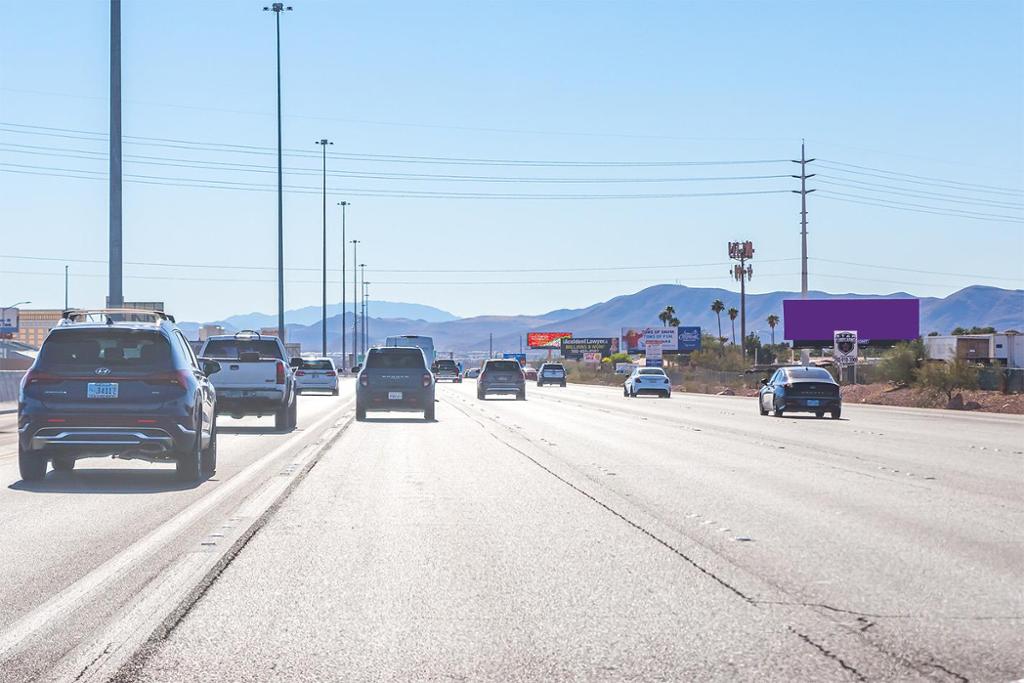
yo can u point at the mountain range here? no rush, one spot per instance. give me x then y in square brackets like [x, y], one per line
[975, 305]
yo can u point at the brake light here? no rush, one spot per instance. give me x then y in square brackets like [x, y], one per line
[178, 378]
[280, 372]
[145, 422]
[56, 420]
[300, 373]
[330, 373]
[37, 377]
[364, 381]
[427, 379]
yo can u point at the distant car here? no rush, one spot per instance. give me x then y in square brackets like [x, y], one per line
[472, 373]
[446, 370]
[501, 377]
[530, 373]
[551, 373]
[647, 381]
[316, 374]
[122, 383]
[800, 389]
[419, 341]
[395, 378]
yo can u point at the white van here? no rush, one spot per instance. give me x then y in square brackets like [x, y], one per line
[425, 344]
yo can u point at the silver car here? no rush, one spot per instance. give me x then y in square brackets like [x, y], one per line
[316, 374]
[647, 381]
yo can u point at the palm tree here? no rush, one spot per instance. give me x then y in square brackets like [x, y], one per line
[717, 306]
[667, 315]
[732, 316]
[773, 320]
[673, 322]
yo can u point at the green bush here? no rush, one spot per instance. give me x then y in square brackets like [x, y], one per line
[945, 378]
[899, 364]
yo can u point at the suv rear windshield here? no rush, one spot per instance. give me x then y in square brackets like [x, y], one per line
[445, 365]
[552, 368]
[232, 348]
[74, 351]
[317, 365]
[502, 366]
[395, 359]
[820, 374]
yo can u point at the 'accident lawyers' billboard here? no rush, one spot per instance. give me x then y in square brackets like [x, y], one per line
[546, 340]
[812, 322]
[577, 346]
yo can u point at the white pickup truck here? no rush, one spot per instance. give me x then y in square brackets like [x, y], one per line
[256, 377]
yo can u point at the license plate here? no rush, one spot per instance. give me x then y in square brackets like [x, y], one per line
[394, 395]
[101, 390]
[813, 401]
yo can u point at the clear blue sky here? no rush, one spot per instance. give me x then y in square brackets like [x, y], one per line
[930, 89]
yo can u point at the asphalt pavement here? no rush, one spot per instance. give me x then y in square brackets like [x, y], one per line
[581, 535]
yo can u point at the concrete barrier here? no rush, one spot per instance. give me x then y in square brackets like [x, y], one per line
[9, 381]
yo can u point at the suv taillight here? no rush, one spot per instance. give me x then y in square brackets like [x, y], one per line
[175, 377]
[364, 381]
[38, 377]
[300, 373]
[330, 373]
[427, 379]
[280, 372]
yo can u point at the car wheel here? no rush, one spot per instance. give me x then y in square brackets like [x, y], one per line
[625, 392]
[562, 385]
[429, 413]
[209, 462]
[63, 463]
[31, 464]
[334, 393]
[819, 414]
[777, 412]
[837, 413]
[187, 466]
[480, 395]
[293, 415]
[667, 394]
[760, 406]
[521, 396]
[281, 419]
[360, 412]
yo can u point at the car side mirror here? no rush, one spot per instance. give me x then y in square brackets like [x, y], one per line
[357, 368]
[210, 367]
[295, 362]
[764, 381]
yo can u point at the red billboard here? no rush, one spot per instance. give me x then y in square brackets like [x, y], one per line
[546, 340]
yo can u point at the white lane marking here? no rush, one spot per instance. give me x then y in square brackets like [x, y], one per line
[63, 602]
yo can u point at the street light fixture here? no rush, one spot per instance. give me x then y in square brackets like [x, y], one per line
[277, 8]
[323, 325]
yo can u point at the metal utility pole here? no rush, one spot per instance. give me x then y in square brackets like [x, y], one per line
[115, 292]
[344, 320]
[277, 8]
[362, 300]
[323, 142]
[490, 345]
[742, 251]
[65, 288]
[805, 356]
[355, 305]
[803, 192]
[366, 315]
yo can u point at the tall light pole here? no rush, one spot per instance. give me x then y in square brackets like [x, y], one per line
[277, 8]
[323, 142]
[742, 252]
[362, 277]
[355, 303]
[366, 315]
[115, 293]
[344, 320]
[805, 355]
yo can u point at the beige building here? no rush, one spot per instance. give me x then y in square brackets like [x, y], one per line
[34, 325]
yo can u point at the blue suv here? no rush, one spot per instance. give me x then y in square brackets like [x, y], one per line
[122, 383]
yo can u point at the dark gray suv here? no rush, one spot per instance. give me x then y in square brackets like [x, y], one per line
[501, 377]
[395, 378]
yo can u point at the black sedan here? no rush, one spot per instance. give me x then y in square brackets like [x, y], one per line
[800, 389]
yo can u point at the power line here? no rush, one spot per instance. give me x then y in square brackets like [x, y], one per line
[348, 191]
[915, 178]
[957, 199]
[65, 132]
[914, 270]
[893, 204]
[151, 264]
[259, 168]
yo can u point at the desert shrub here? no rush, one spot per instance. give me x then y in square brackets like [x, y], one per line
[947, 378]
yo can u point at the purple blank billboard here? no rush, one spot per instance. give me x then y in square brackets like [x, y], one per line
[811, 322]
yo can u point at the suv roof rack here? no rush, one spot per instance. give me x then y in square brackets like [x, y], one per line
[111, 315]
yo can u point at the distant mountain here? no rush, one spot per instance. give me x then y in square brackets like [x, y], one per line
[976, 305]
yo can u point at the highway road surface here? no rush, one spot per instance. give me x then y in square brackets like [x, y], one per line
[576, 536]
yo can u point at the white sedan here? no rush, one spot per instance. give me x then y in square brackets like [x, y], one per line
[316, 374]
[647, 381]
